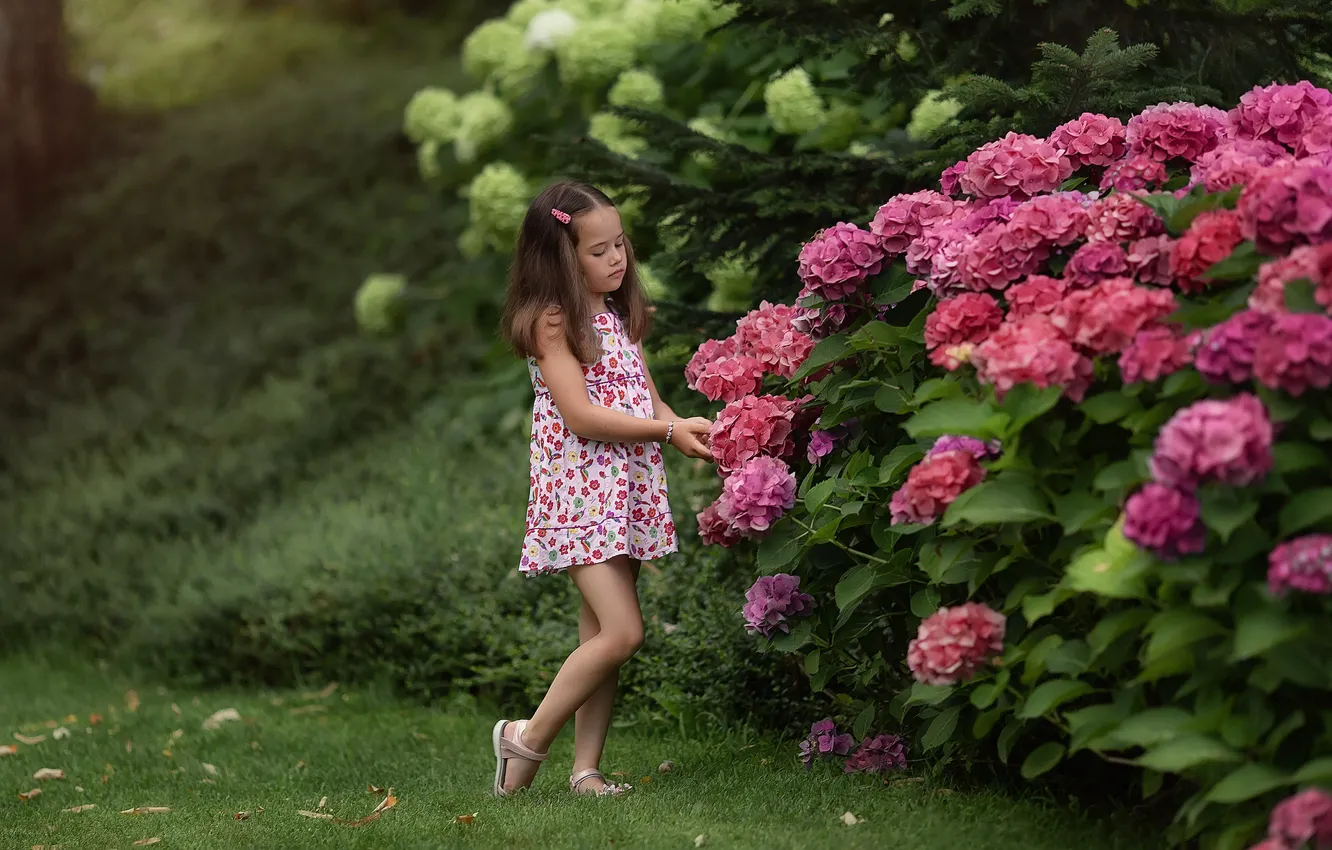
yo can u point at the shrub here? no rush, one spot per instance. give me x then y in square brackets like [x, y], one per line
[1011, 537]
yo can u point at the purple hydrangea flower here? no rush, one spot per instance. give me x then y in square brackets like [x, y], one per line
[978, 448]
[771, 600]
[880, 754]
[1304, 563]
[824, 741]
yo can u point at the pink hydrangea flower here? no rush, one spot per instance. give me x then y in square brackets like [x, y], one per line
[1286, 206]
[933, 484]
[1227, 350]
[1169, 130]
[1017, 166]
[953, 644]
[821, 444]
[838, 259]
[1209, 240]
[1280, 113]
[979, 449]
[1270, 294]
[1037, 294]
[996, 257]
[714, 529]
[1296, 354]
[1134, 174]
[1236, 162]
[902, 220]
[824, 741]
[1303, 564]
[950, 179]
[709, 352]
[821, 322]
[1122, 218]
[1105, 318]
[771, 601]
[1149, 259]
[1165, 521]
[1095, 262]
[1031, 350]
[969, 317]
[752, 426]
[770, 337]
[1155, 352]
[1049, 220]
[730, 378]
[1090, 139]
[1302, 820]
[1226, 441]
[757, 495]
[879, 754]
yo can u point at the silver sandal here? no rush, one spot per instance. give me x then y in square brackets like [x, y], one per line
[610, 789]
[506, 749]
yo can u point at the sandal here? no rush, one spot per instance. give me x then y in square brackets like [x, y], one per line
[506, 749]
[609, 790]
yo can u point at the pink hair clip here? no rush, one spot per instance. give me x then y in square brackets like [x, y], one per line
[564, 217]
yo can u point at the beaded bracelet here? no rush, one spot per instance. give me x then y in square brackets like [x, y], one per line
[670, 430]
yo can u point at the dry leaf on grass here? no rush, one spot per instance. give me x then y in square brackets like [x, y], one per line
[76, 809]
[420, 736]
[700, 840]
[325, 693]
[132, 700]
[144, 842]
[46, 773]
[242, 815]
[30, 740]
[374, 789]
[385, 804]
[317, 815]
[466, 819]
[323, 802]
[175, 709]
[146, 810]
[94, 719]
[850, 819]
[129, 746]
[300, 765]
[25, 796]
[8, 750]
[222, 715]
[60, 734]
[666, 767]
[210, 769]
[309, 709]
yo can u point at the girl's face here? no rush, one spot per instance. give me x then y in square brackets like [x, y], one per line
[601, 249]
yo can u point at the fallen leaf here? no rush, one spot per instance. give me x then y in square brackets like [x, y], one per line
[223, 715]
[374, 789]
[300, 765]
[129, 746]
[420, 736]
[76, 809]
[146, 810]
[325, 693]
[177, 734]
[175, 709]
[669, 628]
[94, 719]
[258, 810]
[242, 815]
[617, 773]
[24, 796]
[319, 815]
[132, 700]
[8, 750]
[763, 761]
[30, 740]
[699, 841]
[208, 782]
[466, 819]
[666, 767]
[70, 719]
[276, 701]
[144, 842]
[60, 734]
[646, 779]
[210, 769]
[323, 801]
[51, 724]
[944, 792]
[850, 819]
[46, 773]
[78, 788]
[309, 709]
[168, 754]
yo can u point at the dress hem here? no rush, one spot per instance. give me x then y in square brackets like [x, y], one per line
[545, 570]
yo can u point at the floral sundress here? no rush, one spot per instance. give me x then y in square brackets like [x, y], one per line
[590, 501]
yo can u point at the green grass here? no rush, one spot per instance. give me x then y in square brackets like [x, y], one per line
[290, 750]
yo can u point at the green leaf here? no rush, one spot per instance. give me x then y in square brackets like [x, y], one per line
[812, 662]
[1176, 629]
[1186, 752]
[1316, 772]
[1117, 476]
[1225, 509]
[1245, 783]
[922, 694]
[1154, 727]
[1109, 407]
[1050, 695]
[925, 602]
[950, 561]
[829, 350]
[860, 728]
[985, 722]
[819, 494]
[1308, 509]
[1242, 264]
[780, 548]
[854, 585]
[1087, 724]
[941, 728]
[961, 416]
[1006, 498]
[936, 388]
[897, 460]
[1114, 626]
[891, 399]
[1297, 457]
[1262, 630]
[984, 695]
[1036, 607]
[1007, 738]
[877, 335]
[1042, 760]
[1114, 577]
[1025, 403]
[1070, 658]
[1077, 511]
[800, 635]
[1299, 297]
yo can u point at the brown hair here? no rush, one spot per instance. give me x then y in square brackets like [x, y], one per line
[546, 274]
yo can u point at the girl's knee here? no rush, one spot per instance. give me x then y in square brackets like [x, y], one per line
[625, 641]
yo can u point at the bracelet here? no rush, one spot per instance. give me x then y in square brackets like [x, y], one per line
[670, 430]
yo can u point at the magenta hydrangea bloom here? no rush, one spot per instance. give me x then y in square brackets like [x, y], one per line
[708, 353]
[714, 529]
[771, 601]
[953, 644]
[902, 220]
[838, 259]
[1280, 113]
[1122, 218]
[1105, 318]
[821, 444]
[1155, 352]
[970, 317]
[1037, 294]
[1134, 174]
[1090, 139]
[1303, 820]
[1169, 130]
[1149, 259]
[878, 754]
[998, 256]
[1229, 442]
[1303, 564]
[1165, 521]
[824, 741]
[1286, 206]
[1296, 354]
[1227, 351]
[1304, 262]
[1017, 166]
[980, 449]
[1095, 262]
[757, 495]
[1049, 220]
[818, 323]
[950, 179]
[1236, 162]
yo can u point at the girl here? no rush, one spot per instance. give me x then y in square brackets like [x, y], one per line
[598, 505]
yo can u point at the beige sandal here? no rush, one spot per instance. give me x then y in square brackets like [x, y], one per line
[609, 790]
[506, 749]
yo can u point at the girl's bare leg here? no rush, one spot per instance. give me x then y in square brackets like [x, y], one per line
[609, 591]
[593, 718]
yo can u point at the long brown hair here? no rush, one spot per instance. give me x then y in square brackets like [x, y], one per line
[545, 273]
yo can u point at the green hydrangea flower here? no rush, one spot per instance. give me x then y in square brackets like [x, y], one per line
[794, 107]
[485, 49]
[732, 281]
[498, 197]
[602, 50]
[378, 303]
[906, 47]
[522, 12]
[483, 119]
[841, 126]
[431, 115]
[427, 159]
[617, 134]
[519, 73]
[686, 20]
[549, 29]
[933, 112]
[472, 244]
[652, 285]
[641, 17]
[638, 89]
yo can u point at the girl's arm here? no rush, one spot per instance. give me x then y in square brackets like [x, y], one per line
[659, 407]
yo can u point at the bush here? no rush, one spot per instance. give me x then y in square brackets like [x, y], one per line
[1001, 533]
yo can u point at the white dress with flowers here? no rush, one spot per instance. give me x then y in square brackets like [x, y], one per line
[590, 501]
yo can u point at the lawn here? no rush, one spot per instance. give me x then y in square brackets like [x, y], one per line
[290, 752]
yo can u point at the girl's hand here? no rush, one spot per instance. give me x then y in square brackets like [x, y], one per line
[690, 438]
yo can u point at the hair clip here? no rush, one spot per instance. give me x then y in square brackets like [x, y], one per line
[564, 217]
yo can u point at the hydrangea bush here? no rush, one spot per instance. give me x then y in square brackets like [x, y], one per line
[1038, 459]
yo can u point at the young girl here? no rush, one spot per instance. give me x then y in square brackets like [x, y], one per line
[597, 506]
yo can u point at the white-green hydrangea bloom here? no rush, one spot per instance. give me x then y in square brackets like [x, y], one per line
[483, 119]
[378, 303]
[472, 243]
[431, 115]
[636, 88]
[498, 198]
[427, 159]
[859, 149]
[685, 20]
[616, 133]
[601, 52]
[841, 126]
[933, 112]
[586, 10]
[794, 107]
[640, 17]
[732, 281]
[549, 29]
[519, 73]
[652, 285]
[906, 47]
[523, 11]
[484, 50]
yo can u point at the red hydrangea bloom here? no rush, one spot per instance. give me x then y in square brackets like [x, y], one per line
[1037, 294]
[1280, 113]
[757, 495]
[1095, 262]
[1049, 220]
[1031, 350]
[715, 529]
[953, 644]
[880, 754]
[933, 484]
[1090, 139]
[1106, 317]
[1302, 263]
[769, 336]
[1302, 820]
[1209, 240]
[1165, 521]
[1156, 351]
[1304, 564]
[996, 257]
[1149, 259]
[1227, 350]
[1134, 174]
[1296, 354]
[1235, 163]
[1122, 218]
[1226, 441]
[838, 259]
[904, 217]
[730, 378]
[752, 426]
[969, 317]
[1017, 165]
[709, 352]
[1286, 206]
[1170, 130]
